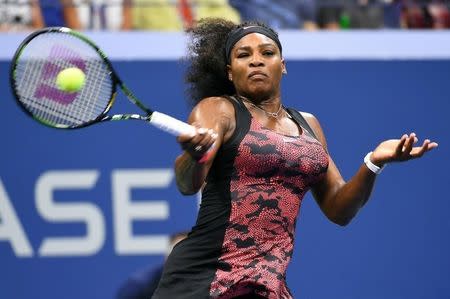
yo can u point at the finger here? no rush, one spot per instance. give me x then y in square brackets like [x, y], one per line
[419, 151]
[410, 140]
[188, 141]
[208, 138]
[427, 146]
[209, 149]
[202, 142]
[432, 145]
[213, 138]
[184, 138]
[401, 143]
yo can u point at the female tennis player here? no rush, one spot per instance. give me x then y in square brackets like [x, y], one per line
[255, 160]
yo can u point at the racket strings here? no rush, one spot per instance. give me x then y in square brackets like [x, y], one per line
[97, 93]
[56, 116]
[36, 70]
[44, 109]
[41, 109]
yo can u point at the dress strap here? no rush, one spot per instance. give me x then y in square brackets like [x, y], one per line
[243, 120]
[298, 117]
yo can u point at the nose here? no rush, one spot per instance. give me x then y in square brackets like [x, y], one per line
[257, 60]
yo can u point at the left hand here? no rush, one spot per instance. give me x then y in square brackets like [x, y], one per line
[402, 149]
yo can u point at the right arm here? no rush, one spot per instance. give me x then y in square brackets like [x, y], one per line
[215, 122]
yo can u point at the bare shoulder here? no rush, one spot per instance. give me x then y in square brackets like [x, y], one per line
[315, 125]
[219, 104]
[216, 113]
[215, 108]
[311, 119]
[308, 116]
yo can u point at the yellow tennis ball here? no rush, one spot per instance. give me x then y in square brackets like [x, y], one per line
[70, 79]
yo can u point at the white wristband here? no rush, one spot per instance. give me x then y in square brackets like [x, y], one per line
[375, 169]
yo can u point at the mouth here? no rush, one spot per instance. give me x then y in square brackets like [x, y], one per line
[257, 74]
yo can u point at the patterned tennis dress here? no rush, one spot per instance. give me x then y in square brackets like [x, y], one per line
[243, 239]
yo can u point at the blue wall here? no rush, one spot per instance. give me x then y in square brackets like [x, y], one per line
[397, 247]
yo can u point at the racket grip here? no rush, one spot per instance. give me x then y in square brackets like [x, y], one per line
[171, 125]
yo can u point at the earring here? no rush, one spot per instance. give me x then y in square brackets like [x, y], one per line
[284, 71]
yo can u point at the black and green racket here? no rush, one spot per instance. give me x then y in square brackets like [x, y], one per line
[45, 54]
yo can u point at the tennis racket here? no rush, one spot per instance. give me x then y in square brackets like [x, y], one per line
[44, 54]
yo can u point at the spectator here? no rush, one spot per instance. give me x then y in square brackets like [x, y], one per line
[142, 284]
[365, 14]
[104, 14]
[439, 14]
[60, 13]
[330, 16]
[282, 14]
[160, 15]
[173, 15]
[19, 15]
[392, 10]
[215, 9]
[415, 16]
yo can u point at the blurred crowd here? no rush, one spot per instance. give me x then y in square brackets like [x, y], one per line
[174, 15]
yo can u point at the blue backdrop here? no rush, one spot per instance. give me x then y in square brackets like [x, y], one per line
[82, 210]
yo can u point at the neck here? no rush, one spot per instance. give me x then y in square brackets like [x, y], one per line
[271, 107]
[272, 104]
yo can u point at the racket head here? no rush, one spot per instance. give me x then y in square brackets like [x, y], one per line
[35, 66]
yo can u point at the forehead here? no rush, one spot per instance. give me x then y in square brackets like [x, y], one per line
[254, 40]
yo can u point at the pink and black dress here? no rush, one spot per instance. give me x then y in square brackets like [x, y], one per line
[243, 239]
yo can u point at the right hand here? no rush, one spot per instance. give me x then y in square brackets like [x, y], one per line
[200, 143]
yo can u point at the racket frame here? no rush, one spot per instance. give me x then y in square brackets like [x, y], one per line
[113, 75]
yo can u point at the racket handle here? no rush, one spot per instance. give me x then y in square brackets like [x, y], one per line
[171, 125]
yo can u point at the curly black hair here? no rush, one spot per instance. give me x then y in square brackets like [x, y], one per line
[206, 74]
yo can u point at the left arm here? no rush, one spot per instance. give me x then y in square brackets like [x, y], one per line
[340, 200]
[37, 21]
[127, 15]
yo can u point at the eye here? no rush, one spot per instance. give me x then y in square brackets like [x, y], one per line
[242, 55]
[268, 53]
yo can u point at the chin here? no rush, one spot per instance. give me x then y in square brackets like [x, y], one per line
[260, 93]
